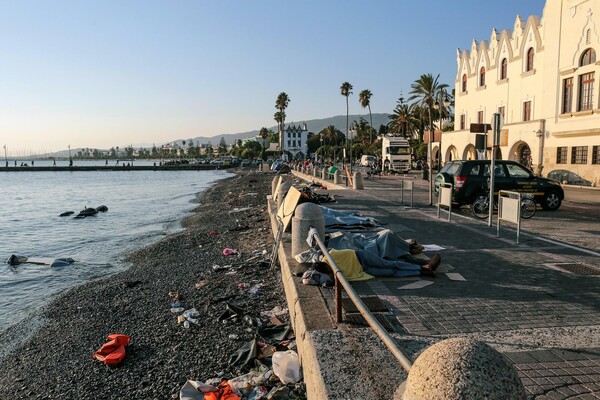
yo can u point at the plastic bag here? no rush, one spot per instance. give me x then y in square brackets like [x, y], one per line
[286, 365]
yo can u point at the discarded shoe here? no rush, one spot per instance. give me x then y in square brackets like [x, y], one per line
[435, 261]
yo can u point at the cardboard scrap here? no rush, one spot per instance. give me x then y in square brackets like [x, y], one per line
[416, 285]
[455, 276]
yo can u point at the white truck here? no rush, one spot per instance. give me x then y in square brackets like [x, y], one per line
[395, 154]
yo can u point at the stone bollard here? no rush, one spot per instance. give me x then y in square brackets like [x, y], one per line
[461, 369]
[337, 179]
[315, 172]
[357, 181]
[324, 173]
[283, 189]
[305, 216]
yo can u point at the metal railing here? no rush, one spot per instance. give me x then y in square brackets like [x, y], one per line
[342, 282]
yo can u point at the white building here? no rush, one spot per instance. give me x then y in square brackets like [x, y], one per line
[294, 139]
[541, 77]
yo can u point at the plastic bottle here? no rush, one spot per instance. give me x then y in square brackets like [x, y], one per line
[186, 324]
[286, 365]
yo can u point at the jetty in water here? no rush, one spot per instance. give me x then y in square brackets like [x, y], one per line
[75, 168]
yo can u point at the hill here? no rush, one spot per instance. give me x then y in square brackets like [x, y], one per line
[313, 125]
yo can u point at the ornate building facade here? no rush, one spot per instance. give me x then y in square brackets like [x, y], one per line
[541, 77]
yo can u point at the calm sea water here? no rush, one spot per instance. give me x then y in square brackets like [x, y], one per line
[142, 206]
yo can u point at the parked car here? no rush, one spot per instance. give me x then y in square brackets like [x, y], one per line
[469, 179]
[245, 163]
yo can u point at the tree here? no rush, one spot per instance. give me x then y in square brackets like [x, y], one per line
[426, 90]
[222, 146]
[364, 97]
[403, 120]
[281, 104]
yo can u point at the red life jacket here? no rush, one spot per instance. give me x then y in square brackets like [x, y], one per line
[225, 392]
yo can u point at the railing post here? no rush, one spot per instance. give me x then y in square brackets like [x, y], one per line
[338, 301]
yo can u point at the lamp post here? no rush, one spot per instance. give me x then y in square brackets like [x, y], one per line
[5, 156]
[70, 159]
[430, 150]
[322, 158]
[438, 106]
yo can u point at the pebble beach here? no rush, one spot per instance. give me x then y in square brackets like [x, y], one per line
[56, 362]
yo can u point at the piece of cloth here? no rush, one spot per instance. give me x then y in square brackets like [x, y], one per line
[194, 390]
[348, 263]
[384, 243]
[336, 220]
[377, 266]
[316, 278]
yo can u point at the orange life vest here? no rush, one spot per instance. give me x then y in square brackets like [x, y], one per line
[225, 392]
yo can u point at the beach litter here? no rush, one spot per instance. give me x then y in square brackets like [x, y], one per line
[113, 351]
[228, 252]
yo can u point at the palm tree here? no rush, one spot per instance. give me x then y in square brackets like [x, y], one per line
[281, 104]
[403, 120]
[426, 90]
[346, 91]
[364, 97]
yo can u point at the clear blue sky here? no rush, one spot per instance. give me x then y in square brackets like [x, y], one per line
[113, 73]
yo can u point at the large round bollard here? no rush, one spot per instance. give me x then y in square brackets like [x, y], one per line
[324, 173]
[357, 181]
[315, 172]
[305, 216]
[461, 369]
[283, 190]
[337, 179]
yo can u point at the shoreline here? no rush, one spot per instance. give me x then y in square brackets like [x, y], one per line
[56, 361]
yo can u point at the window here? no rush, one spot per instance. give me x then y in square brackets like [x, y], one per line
[516, 171]
[462, 121]
[501, 111]
[503, 69]
[567, 95]
[475, 170]
[289, 134]
[586, 92]
[596, 155]
[482, 76]
[588, 57]
[530, 54]
[464, 83]
[561, 155]
[579, 154]
[527, 111]
[498, 170]
[480, 117]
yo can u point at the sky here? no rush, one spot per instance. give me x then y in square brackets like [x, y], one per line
[110, 73]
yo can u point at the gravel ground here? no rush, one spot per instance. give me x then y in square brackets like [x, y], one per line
[56, 362]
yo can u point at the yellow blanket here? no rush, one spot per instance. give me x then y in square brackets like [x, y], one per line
[348, 263]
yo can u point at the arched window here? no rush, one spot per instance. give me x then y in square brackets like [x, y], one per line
[464, 83]
[530, 54]
[588, 57]
[503, 69]
[482, 76]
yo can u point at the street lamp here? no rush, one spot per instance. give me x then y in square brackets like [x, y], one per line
[70, 159]
[5, 157]
[322, 158]
[437, 106]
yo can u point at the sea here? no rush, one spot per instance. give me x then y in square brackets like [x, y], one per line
[143, 206]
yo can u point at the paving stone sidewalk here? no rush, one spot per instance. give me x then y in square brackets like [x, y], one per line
[537, 302]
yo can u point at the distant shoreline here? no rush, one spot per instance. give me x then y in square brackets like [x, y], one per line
[183, 167]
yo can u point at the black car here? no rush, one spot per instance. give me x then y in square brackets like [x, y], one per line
[469, 179]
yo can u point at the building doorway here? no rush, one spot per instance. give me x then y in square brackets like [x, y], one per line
[524, 155]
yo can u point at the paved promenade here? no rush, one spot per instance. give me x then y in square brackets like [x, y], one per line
[537, 302]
